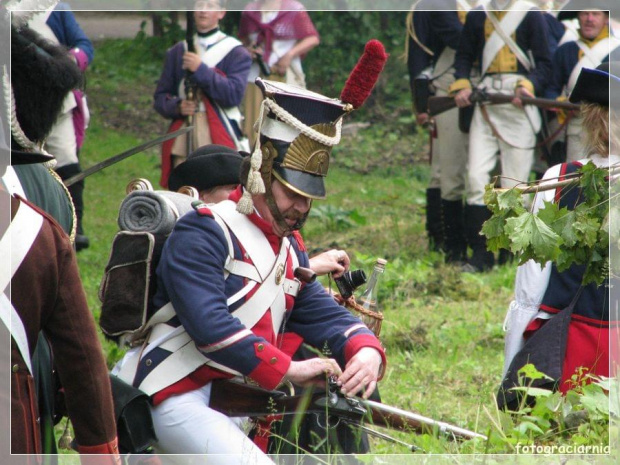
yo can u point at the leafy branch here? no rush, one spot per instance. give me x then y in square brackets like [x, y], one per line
[579, 236]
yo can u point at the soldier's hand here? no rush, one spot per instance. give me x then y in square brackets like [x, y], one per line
[187, 107]
[282, 65]
[422, 119]
[361, 373]
[462, 98]
[333, 261]
[191, 61]
[520, 92]
[255, 50]
[307, 371]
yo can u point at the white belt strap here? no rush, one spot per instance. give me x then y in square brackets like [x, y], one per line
[14, 247]
[17, 240]
[592, 57]
[174, 368]
[12, 183]
[445, 62]
[254, 241]
[222, 46]
[269, 296]
[14, 324]
[502, 35]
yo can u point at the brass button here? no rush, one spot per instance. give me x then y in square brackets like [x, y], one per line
[260, 347]
[148, 362]
[273, 360]
[15, 368]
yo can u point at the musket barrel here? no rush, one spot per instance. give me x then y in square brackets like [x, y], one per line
[422, 421]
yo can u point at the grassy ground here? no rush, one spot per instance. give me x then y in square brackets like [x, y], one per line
[442, 329]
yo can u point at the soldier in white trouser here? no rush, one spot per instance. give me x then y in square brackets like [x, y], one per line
[508, 41]
[432, 41]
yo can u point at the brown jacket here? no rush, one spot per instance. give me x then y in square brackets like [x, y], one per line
[47, 294]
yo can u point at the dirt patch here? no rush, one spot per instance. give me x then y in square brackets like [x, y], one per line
[127, 109]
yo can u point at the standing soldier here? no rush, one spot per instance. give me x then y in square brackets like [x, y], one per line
[433, 38]
[218, 69]
[508, 40]
[43, 291]
[590, 49]
[67, 136]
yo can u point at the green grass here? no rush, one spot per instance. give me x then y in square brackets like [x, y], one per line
[442, 329]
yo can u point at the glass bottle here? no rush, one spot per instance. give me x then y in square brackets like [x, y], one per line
[368, 299]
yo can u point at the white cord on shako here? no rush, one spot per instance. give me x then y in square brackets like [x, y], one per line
[255, 183]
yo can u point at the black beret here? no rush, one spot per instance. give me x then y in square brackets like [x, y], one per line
[593, 85]
[206, 167]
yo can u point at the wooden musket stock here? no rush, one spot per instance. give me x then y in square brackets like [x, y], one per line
[438, 105]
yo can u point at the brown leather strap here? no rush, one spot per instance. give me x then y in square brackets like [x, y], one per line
[544, 142]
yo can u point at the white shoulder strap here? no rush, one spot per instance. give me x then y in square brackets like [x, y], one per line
[502, 35]
[12, 183]
[17, 240]
[14, 324]
[253, 240]
[14, 247]
[592, 57]
[219, 49]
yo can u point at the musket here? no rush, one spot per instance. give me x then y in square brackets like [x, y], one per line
[548, 184]
[190, 88]
[126, 154]
[438, 105]
[264, 68]
[238, 399]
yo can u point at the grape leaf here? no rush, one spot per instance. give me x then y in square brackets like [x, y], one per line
[595, 187]
[511, 200]
[529, 231]
[560, 220]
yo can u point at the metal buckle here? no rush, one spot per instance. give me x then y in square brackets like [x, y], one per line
[496, 82]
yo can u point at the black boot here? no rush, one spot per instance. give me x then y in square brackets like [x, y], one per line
[434, 219]
[482, 259]
[76, 190]
[455, 245]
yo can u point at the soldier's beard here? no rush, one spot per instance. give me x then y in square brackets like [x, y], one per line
[281, 226]
[299, 218]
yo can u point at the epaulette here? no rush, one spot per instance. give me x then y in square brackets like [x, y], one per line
[202, 208]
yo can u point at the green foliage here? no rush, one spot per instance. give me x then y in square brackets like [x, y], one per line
[581, 417]
[336, 218]
[566, 237]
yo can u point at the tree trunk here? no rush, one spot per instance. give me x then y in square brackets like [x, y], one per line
[158, 25]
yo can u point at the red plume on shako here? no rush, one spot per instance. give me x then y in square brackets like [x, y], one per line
[365, 74]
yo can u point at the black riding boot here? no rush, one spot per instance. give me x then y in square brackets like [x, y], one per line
[482, 259]
[455, 245]
[434, 220]
[76, 190]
